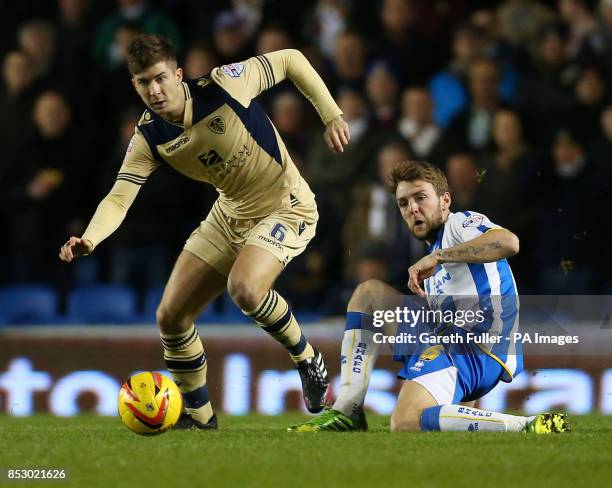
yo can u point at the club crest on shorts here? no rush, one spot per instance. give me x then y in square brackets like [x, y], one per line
[234, 69]
[431, 353]
[217, 125]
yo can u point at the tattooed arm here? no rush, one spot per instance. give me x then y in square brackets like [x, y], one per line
[491, 246]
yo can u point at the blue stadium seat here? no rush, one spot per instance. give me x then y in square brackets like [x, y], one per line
[28, 304]
[154, 295]
[103, 304]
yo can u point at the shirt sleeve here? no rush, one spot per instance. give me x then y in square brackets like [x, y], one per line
[136, 168]
[465, 226]
[247, 79]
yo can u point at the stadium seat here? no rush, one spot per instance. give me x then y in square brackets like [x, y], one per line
[153, 297]
[103, 304]
[28, 304]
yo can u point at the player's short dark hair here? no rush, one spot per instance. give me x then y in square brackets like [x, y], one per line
[147, 50]
[419, 170]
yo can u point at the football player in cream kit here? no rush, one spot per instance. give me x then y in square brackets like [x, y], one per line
[211, 130]
[466, 270]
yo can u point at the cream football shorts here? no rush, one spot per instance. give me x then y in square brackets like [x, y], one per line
[284, 233]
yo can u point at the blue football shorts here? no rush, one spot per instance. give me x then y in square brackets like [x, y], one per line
[451, 373]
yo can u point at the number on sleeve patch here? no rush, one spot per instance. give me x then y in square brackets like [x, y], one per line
[234, 70]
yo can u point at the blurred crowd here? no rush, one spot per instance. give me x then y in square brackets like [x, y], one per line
[511, 98]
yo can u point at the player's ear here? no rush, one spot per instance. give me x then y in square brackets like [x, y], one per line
[179, 75]
[446, 200]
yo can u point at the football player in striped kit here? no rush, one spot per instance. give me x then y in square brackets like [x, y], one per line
[212, 130]
[466, 269]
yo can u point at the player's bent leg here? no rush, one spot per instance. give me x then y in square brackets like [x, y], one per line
[192, 285]
[359, 349]
[413, 399]
[359, 353]
[249, 284]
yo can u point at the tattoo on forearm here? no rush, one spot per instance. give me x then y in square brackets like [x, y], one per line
[470, 250]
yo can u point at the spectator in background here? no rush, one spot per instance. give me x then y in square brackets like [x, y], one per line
[37, 40]
[569, 229]
[382, 89]
[329, 23]
[15, 104]
[16, 100]
[463, 180]
[494, 46]
[580, 21]
[508, 179]
[448, 86]
[349, 62]
[46, 191]
[522, 20]
[470, 130]
[546, 94]
[374, 215]
[289, 118]
[417, 127]
[273, 38]
[108, 52]
[199, 60]
[331, 175]
[230, 38]
[590, 93]
[400, 43]
[74, 35]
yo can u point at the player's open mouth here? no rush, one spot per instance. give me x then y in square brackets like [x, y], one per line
[158, 104]
[417, 223]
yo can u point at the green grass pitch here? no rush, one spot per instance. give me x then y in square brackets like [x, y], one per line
[255, 451]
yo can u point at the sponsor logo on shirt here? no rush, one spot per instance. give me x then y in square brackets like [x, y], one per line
[234, 70]
[174, 146]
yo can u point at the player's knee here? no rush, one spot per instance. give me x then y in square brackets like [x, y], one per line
[171, 322]
[406, 421]
[244, 293]
[365, 292]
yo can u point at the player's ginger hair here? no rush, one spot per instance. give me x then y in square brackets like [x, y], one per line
[147, 50]
[419, 170]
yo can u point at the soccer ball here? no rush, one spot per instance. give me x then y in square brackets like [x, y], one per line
[149, 403]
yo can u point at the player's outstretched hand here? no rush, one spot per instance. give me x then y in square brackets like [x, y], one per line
[420, 271]
[337, 134]
[75, 247]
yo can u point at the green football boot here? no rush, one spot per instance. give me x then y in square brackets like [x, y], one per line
[332, 421]
[548, 423]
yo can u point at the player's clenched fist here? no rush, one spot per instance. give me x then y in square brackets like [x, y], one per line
[74, 248]
[337, 134]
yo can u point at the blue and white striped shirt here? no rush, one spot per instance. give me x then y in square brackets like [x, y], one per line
[489, 287]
